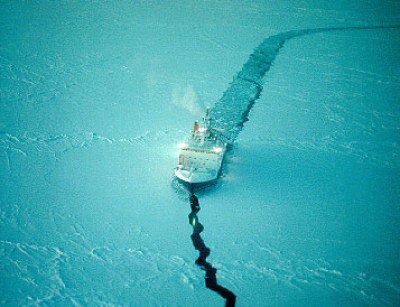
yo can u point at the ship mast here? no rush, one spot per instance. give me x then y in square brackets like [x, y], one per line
[206, 119]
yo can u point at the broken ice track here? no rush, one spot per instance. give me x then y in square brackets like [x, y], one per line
[231, 112]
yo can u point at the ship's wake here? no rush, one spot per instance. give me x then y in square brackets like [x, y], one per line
[232, 110]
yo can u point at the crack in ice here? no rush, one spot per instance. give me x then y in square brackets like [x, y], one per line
[61, 143]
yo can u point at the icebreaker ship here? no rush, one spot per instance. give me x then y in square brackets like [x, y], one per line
[200, 158]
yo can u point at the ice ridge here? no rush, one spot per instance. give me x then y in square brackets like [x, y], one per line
[231, 111]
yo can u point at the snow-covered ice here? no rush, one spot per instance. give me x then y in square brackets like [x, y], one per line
[94, 98]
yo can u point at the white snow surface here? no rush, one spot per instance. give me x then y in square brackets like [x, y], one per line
[94, 98]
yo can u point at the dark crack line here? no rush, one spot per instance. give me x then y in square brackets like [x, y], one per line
[198, 243]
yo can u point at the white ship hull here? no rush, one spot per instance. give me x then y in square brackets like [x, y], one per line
[200, 159]
[199, 166]
[195, 176]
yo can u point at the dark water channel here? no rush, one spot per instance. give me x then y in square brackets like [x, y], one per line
[198, 243]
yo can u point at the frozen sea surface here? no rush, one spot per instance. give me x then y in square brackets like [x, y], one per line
[94, 98]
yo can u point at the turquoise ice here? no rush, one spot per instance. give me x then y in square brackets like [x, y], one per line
[94, 99]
